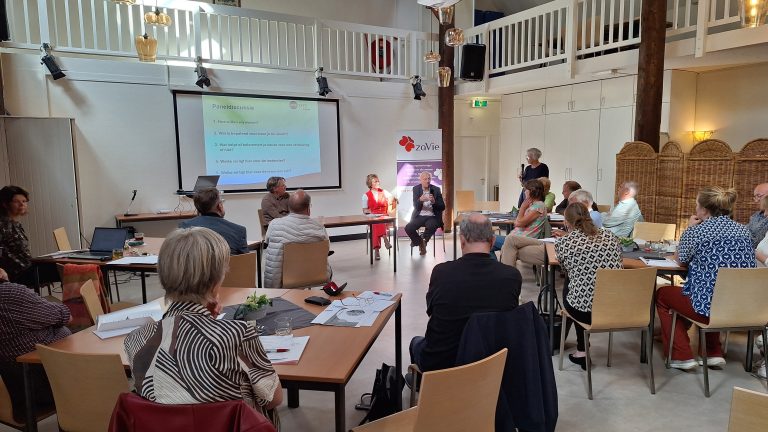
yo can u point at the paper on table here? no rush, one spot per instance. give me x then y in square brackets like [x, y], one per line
[148, 259]
[106, 334]
[337, 314]
[556, 217]
[294, 344]
[126, 320]
[666, 262]
[549, 240]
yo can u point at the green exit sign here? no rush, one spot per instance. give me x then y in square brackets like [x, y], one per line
[477, 103]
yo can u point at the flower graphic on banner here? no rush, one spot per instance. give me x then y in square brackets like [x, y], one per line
[407, 142]
[438, 173]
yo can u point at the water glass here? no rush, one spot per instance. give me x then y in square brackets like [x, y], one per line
[283, 326]
[117, 254]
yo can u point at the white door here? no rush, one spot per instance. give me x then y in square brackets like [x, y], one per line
[615, 129]
[558, 153]
[471, 157]
[585, 135]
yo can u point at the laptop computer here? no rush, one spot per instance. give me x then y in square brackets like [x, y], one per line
[104, 241]
[203, 182]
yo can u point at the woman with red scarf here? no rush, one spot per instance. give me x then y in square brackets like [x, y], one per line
[378, 202]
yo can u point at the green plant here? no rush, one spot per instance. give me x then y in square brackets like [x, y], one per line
[254, 302]
[626, 241]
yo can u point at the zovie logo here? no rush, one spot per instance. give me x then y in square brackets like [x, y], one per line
[407, 142]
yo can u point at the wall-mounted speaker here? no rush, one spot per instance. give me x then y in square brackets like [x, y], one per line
[472, 62]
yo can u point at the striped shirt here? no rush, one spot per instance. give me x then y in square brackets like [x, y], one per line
[190, 357]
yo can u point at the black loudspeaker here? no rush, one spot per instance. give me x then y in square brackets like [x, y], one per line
[472, 62]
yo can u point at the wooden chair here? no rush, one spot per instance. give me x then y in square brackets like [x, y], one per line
[85, 387]
[654, 232]
[491, 206]
[262, 224]
[305, 264]
[241, 272]
[622, 302]
[6, 410]
[91, 300]
[441, 232]
[749, 411]
[739, 302]
[61, 238]
[462, 398]
[603, 208]
[465, 201]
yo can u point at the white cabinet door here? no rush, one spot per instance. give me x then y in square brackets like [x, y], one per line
[532, 136]
[533, 103]
[558, 155]
[558, 99]
[586, 96]
[584, 139]
[618, 92]
[510, 143]
[512, 105]
[616, 125]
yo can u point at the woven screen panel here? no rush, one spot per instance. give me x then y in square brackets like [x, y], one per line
[710, 163]
[751, 169]
[637, 162]
[669, 184]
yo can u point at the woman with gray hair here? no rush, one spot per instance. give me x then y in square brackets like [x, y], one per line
[534, 170]
[190, 356]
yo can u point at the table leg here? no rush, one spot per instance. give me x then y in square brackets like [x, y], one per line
[143, 287]
[399, 353]
[370, 243]
[37, 278]
[550, 284]
[454, 243]
[29, 398]
[293, 395]
[643, 342]
[394, 245]
[341, 414]
[258, 264]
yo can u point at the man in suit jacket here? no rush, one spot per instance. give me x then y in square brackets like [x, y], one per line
[428, 209]
[210, 207]
[460, 288]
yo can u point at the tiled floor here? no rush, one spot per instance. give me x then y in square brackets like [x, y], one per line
[622, 398]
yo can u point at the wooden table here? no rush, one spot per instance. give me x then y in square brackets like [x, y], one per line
[121, 219]
[331, 357]
[552, 263]
[357, 220]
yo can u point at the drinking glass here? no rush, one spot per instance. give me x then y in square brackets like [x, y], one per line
[117, 254]
[283, 326]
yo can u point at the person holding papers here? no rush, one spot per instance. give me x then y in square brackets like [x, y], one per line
[190, 356]
[27, 319]
[711, 241]
[585, 249]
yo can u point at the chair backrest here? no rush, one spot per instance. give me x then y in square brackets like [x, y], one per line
[465, 200]
[241, 272]
[749, 411]
[491, 206]
[61, 238]
[650, 231]
[740, 298]
[6, 409]
[623, 298]
[305, 264]
[85, 387]
[262, 224]
[91, 299]
[462, 398]
[603, 208]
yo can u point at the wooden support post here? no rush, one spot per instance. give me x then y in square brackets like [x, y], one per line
[445, 122]
[650, 72]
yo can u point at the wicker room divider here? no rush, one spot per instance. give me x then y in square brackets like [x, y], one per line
[670, 171]
[750, 169]
[637, 162]
[710, 163]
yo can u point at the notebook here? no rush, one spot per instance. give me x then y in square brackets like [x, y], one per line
[103, 242]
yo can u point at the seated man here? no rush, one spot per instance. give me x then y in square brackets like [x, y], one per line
[570, 187]
[758, 222]
[210, 206]
[297, 227]
[428, 209]
[585, 198]
[27, 319]
[275, 204]
[457, 289]
[622, 217]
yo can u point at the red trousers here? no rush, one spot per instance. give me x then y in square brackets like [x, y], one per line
[379, 231]
[672, 297]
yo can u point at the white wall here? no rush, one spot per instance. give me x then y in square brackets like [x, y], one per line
[733, 103]
[480, 122]
[125, 136]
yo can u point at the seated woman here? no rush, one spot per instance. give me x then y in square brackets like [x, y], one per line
[379, 202]
[711, 241]
[585, 249]
[190, 356]
[529, 225]
[15, 256]
[549, 197]
[761, 252]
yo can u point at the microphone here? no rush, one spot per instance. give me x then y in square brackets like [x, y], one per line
[128, 210]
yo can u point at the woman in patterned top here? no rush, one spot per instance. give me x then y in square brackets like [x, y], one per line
[190, 356]
[712, 241]
[585, 249]
[529, 224]
[15, 256]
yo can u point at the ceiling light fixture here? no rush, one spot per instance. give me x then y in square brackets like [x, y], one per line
[322, 83]
[202, 74]
[418, 92]
[50, 62]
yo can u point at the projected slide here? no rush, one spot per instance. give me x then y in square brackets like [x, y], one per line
[249, 140]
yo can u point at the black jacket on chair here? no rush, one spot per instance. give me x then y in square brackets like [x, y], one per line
[437, 207]
[528, 396]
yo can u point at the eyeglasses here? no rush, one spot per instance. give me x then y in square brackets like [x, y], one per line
[758, 197]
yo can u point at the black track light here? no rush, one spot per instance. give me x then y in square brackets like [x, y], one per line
[202, 74]
[418, 92]
[322, 82]
[50, 62]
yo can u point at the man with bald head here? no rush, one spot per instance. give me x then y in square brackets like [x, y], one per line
[457, 289]
[758, 223]
[296, 227]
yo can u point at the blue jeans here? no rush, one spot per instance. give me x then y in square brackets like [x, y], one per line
[415, 348]
[497, 244]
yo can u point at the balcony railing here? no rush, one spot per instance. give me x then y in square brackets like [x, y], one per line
[560, 31]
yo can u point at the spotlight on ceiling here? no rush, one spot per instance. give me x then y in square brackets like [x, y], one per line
[418, 92]
[322, 82]
[202, 74]
[50, 62]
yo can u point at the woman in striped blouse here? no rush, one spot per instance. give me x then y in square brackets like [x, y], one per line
[189, 356]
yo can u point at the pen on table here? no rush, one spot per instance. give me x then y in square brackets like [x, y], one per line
[382, 293]
[277, 350]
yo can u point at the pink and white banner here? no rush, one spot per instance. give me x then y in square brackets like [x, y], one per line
[417, 151]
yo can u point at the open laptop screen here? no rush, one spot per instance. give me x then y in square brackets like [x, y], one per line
[206, 182]
[108, 239]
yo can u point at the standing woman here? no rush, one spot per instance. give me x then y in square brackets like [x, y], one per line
[585, 249]
[711, 241]
[379, 202]
[15, 256]
[534, 170]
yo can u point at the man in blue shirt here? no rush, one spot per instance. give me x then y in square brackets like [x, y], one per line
[210, 206]
[622, 217]
[758, 222]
